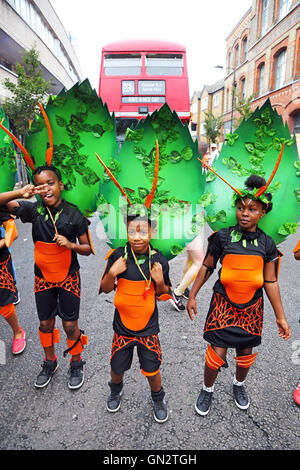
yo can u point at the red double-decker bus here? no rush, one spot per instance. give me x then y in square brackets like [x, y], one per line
[138, 77]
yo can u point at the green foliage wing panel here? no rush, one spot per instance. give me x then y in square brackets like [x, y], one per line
[180, 181]
[81, 125]
[254, 149]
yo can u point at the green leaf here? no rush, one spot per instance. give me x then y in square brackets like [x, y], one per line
[176, 249]
[288, 228]
[187, 153]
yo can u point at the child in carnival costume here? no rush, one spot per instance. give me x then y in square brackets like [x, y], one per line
[250, 262]
[139, 274]
[56, 227]
[296, 394]
[7, 284]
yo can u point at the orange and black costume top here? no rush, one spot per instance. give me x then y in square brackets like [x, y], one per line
[7, 285]
[52, 262]
[136, 312]
[235, 315]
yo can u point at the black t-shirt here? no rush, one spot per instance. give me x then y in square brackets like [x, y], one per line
[256, 243]
[132, 273]
[4, 253]
[69, 221]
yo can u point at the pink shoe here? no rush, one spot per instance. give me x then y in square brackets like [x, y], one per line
[297, 394]
[19, 344]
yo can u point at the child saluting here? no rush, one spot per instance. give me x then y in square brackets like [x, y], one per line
[56, 227]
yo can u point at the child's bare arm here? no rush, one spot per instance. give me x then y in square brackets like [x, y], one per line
[273, 293]
[202, 276]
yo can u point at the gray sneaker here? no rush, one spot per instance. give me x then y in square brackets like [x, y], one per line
[114, 399]
[76, 374]
[159, 406]
[48, 369]
[202, 405]
[240, 397]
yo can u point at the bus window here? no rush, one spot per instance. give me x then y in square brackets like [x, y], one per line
[164, 64]
[122, 64]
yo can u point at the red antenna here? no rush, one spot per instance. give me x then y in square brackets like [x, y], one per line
[150, 196]
[49, 151]
[264, 188]
[20, 146]
[113, 178]
[234, 189]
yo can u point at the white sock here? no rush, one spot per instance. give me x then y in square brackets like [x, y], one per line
[236, 382]
[208, 389]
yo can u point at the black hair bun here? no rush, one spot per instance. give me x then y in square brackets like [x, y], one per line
[255, 181]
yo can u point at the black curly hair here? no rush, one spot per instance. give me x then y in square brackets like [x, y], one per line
[255, 181]
[39, 170]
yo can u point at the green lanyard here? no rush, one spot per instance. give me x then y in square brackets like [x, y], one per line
[55, 219]
[148, 282]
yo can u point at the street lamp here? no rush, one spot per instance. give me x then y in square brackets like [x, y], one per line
[233, 94]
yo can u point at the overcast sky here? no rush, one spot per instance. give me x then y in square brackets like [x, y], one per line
[200, 25]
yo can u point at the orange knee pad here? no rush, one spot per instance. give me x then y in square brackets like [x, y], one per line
[49, 339]
[7, 311]
[212, 360]
[246, 361]
[76, 346]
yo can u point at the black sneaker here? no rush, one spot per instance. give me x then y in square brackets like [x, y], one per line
[76, 374]
[203, 402]
[159, 406]
[114, 400]
[177, 302]
[240, 397]
[44, 377]
[186, 294]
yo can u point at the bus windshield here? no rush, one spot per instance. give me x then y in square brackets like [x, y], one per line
[122, 64]
[164, 64]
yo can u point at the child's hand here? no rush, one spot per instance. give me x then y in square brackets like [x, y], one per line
[284, 329]
[157, 273]
[192, 307]
[62, 241]
[2, 243]
[118, 267]
[27, 191]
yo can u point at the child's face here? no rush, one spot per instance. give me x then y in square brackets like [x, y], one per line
[139, 235]
[51, 194]
[248, 213]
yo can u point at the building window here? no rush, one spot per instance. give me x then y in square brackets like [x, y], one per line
[204, 103]
[280, 69]
[216, 100]
[245, 48]
[284, 7]
[261, 76]
[202, 128]
[296, 125]
[236, 58]
[242, 88]
[264, 16]
[229, 62]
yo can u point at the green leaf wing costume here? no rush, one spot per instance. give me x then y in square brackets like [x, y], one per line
[80, 125]
[180, 183]
[254, 149]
